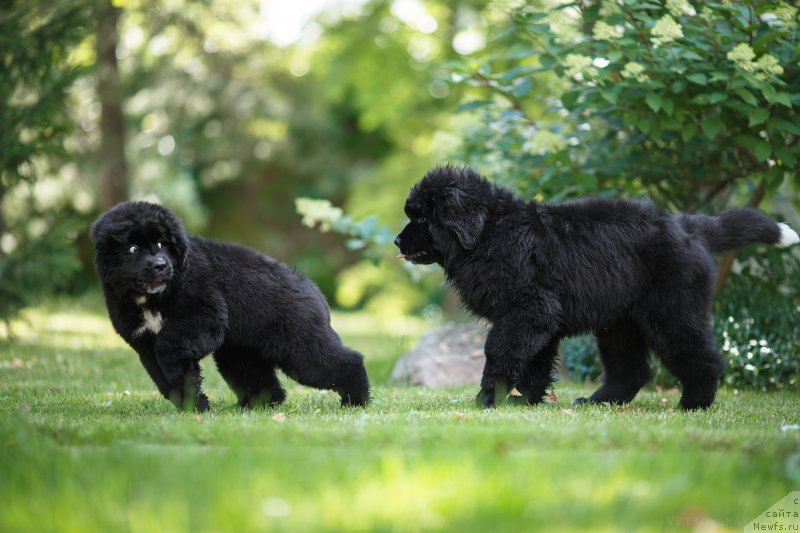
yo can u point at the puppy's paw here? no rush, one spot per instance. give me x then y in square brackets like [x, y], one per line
[485, 399]
[581, 401]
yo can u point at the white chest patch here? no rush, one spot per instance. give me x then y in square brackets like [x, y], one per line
[151, 322]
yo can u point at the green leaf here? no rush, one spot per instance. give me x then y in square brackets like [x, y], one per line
[699, 79]
[762, 150]
[667, 105]
[783, 99]
[757, 116]
[678, 86]
[474, 104]
[653, 101]
[522, 88]
[615, 56]
[785, 125]
[547, 60]
[786, 156]
[716, 98]
[746, 141]
[746, 95]
[610, 95]
[711, 127]
[689, 129]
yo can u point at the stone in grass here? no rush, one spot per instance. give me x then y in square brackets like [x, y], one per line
[448, 356]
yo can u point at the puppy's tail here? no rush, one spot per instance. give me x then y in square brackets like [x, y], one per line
[735, 228]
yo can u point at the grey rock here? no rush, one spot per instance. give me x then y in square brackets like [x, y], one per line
[448, 356]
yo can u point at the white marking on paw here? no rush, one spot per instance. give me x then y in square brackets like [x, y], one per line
[788, 236]
[152, 322]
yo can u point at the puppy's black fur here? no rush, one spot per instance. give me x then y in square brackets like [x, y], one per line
[176, 298]
[637, 277]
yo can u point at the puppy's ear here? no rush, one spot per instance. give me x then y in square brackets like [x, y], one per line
[463, 215]
[181, 244]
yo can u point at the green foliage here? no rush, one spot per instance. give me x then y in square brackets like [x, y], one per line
[37, 242]
[677, 100]
[38, 266]
[760, 332]
[36, 38]
[366, 236]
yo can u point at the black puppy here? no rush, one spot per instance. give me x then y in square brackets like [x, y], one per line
[637, 277]
[176, 298]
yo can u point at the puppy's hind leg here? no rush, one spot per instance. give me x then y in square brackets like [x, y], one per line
[327, 364]
[251, 376]
[624, 353]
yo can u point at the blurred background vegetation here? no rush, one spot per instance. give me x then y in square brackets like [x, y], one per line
[231, 111]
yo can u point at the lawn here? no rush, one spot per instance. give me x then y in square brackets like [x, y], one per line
[87, 445]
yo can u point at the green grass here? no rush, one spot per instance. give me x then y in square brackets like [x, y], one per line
[87, 445]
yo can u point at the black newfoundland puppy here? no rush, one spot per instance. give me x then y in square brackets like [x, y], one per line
[176, 298]
[637, 277]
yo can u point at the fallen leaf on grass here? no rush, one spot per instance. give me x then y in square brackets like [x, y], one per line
[664, 401]
[459, 414]
[551, 398]
[568, 412]
[278, 417]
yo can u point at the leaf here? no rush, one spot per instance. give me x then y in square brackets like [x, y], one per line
[688, 131]
[746, 95]
[783, 99]
[786, 156]
[747, 141]
[762, 150]
[716, 98]
[551, 398]
[653, 101]
[279, 418]
[667, 105]
[757, 116]
[678, 86]
[785, 125]
[474, 104]
[699, 79]
[547, 61]
[711, 127]
[522, 88]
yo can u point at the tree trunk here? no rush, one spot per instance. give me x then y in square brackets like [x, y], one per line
[725, 266]
[113, 169]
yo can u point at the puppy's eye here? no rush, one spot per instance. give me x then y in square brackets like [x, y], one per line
[160, 245]
[133, 249]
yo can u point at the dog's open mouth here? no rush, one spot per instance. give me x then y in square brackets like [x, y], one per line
[156, 286]
[417, 257]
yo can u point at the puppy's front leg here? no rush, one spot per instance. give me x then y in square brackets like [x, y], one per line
[179, 348]
[507, 348]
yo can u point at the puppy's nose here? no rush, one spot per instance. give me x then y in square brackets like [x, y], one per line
[158, 264]
[397, 241]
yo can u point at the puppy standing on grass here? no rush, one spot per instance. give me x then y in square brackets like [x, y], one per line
[637, 277]
[176, 298]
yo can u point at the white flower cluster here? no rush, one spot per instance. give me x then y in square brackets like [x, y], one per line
[606, 32]
[743, 56]
[578, 66]
[666, 30]
[679, 8]
[634, 70]
[544, 141]
[315, 212]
